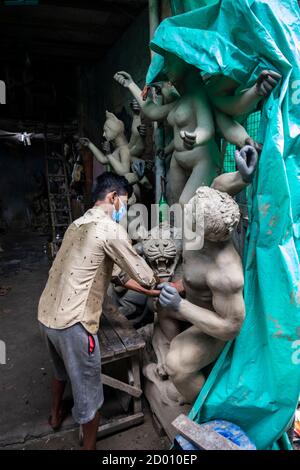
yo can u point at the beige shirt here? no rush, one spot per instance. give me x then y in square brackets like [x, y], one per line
[81, 272]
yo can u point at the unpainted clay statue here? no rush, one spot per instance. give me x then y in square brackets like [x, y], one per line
[138, 131]
[114, 132]
[193, 114]
[120, 159]
[196, 155]
[190, 333]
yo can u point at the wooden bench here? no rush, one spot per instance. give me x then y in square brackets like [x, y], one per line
[119, 340]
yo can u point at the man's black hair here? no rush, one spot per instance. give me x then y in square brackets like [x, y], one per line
[108, 182]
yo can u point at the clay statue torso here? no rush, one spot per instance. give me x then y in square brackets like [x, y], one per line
[183, 118]
[205, 271]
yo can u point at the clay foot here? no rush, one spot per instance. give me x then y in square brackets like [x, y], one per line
[55, 421]
[168, 392]
[162, 372]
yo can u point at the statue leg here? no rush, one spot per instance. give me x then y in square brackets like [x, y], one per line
[189, 353]
[201, 175]
[166, 327]
[176, 180]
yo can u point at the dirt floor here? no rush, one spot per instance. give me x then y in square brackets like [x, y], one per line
[25, 378]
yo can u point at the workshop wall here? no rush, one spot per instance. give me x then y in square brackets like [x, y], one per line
[98, 91]
[23, 187]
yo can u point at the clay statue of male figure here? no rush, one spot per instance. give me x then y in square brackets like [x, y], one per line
[213, 310]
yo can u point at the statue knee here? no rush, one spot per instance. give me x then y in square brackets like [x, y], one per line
[173, 364]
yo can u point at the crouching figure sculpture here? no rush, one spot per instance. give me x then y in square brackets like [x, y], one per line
[190, 332]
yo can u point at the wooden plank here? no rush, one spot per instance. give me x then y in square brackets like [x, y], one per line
[135, 368]
[120, 424]
[127, 334]
[202, 436]
[106, 351]
[113, 339]
[124, 387]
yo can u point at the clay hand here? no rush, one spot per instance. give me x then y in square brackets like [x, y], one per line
[258, 147]
[189, 139]
[161, 154]
[84, 141]
[246, 161]
[135, 106]
[106, 147]
[142, 130]
[169, 296]
[123, 78]
[149, 164]
[266, 82]
[138, 167]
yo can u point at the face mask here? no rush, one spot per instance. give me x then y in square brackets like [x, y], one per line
[117, 216]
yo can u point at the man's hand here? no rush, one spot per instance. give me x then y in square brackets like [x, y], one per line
[123, 78]
[169, 296]
[178, 286]
[133, 285]
[246, 161]
[266, 82]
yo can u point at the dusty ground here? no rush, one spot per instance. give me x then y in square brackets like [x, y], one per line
[25, 378]
[142, 437]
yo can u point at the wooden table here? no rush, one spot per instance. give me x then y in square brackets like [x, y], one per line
[119, 340]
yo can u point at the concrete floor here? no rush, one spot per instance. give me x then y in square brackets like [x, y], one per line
[25, 378]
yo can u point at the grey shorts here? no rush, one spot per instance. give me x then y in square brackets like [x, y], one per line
[75, 354]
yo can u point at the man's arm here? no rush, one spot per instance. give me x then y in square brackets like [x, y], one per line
[122, 253]
[120, 278]
[133, 285]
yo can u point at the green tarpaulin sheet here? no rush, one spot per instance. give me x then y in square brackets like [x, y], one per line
[255, 383]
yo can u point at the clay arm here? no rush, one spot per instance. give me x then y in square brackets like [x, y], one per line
[205, 125]
[95, 151]
[122, 166]
[224, 323]
[169, 148]
[151, 110]
[244, 103]
[230, 183]
[234, 182]
[237, 104]
[231, 130]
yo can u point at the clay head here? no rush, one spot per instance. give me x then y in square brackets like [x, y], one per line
[112, 127]
[167, 90]
[216, 212]
[175, 68]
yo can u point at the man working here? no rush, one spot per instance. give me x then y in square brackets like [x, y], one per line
[71, 303]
